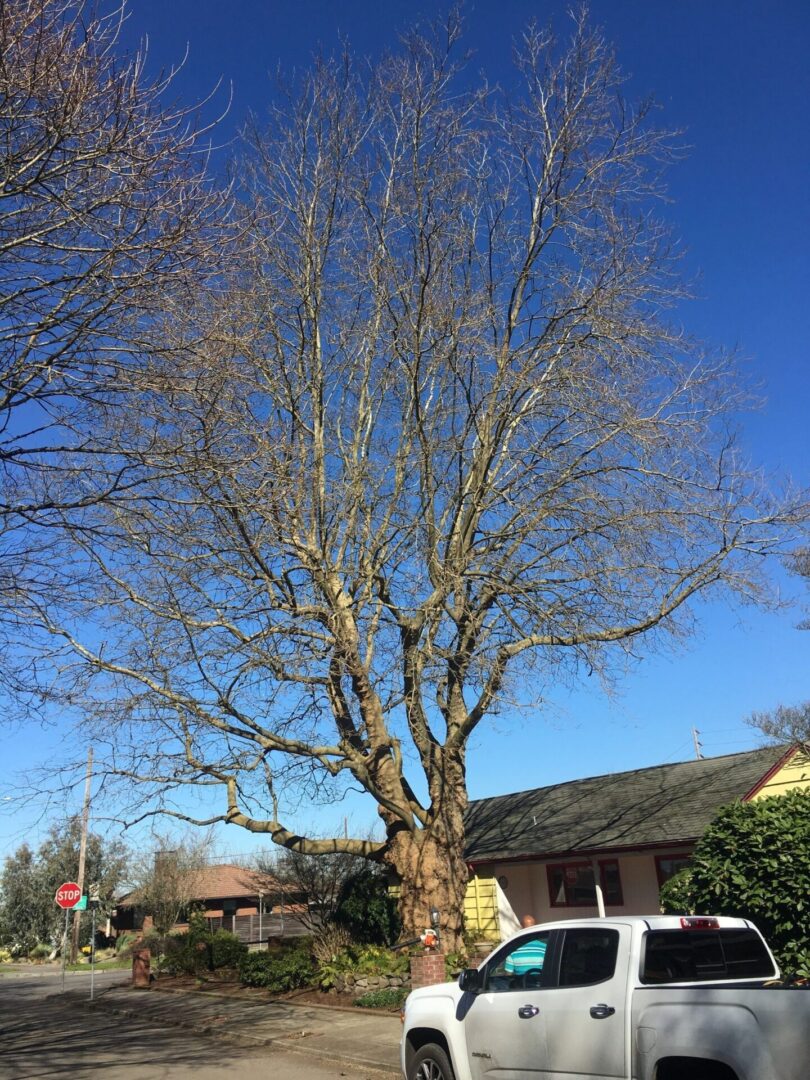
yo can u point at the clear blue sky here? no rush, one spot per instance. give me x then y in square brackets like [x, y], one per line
[733, 74]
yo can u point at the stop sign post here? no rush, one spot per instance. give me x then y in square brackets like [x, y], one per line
[68, 895]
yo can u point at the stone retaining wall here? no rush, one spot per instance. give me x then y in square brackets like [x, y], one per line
[362, 984]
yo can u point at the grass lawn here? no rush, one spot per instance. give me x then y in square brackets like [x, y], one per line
[114, 964]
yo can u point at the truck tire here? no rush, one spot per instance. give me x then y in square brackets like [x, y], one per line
[430, 1063]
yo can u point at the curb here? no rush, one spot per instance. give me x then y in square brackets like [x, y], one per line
[354, 1010]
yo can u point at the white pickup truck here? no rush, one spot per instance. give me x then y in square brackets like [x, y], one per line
[644, 998]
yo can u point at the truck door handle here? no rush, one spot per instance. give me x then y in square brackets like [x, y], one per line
[602, 1012]
[526, 1012]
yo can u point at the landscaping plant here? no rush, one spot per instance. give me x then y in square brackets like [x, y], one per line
[288, 968]
[754, 861]
[390, 998]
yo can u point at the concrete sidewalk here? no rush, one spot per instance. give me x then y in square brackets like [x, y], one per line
[350, 1037]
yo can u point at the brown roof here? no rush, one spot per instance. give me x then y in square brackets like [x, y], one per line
[222, 882]
[227, 881]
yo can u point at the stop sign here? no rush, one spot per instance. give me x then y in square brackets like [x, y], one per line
[68, 895]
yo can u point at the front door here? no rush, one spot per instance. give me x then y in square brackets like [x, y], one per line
[505, 1022]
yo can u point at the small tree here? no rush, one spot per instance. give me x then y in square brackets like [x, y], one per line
[754, 861]
[167, 880]
[317, 880]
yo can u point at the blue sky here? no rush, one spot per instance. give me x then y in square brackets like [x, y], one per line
[732, 74]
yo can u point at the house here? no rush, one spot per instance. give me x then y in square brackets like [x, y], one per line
[251, 905]
[551, 851]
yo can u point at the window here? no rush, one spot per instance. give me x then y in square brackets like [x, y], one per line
[588, 956]
[666, 866]
[519, 966]
[704, 955]
[571, 884]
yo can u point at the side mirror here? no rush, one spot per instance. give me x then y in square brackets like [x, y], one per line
[470, 980]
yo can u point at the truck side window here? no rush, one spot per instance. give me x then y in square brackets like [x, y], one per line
[588, 956]
[519, 966]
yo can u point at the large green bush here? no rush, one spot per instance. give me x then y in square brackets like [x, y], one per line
[227, 951]
[285, 969]
[366, 910]
[202, 950]
[754, 861]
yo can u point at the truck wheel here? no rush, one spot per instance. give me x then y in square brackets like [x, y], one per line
[430, 1063]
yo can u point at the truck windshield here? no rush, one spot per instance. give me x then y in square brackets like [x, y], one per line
[704, 956]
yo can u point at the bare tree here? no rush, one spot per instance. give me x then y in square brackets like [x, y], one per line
[166, 881]
[789, 724]
[441, 449]
[105, 212]
[314, 881]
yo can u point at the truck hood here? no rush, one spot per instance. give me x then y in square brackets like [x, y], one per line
[449, 990]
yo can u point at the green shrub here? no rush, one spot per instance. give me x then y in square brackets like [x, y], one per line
[361, 960]
[754, 861]
[676, 894]
[391, 998]
[377, 960]
[40, 951]
[454, 964]
[200, 949]
[366, 909]
[197, 923]
[287, 969]
[183, 956]
[5, 956]
[227, 950]
[125, 941]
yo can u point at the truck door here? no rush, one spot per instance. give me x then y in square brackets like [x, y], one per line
[504, 1024]
[585, 1011]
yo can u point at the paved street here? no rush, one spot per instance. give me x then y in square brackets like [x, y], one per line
[44, 1035]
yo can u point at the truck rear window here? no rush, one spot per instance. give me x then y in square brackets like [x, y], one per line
[703, 956]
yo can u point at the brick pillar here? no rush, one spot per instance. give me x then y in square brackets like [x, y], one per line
[427, 969]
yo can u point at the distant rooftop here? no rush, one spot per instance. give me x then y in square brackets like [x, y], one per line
[222, 882]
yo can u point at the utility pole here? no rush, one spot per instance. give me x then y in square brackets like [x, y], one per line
[698, 747]
[77, 915]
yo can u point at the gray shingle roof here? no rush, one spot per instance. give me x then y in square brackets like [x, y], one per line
[665, 804]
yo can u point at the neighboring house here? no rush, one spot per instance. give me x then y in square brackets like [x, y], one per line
[253, 906]
[542, 851]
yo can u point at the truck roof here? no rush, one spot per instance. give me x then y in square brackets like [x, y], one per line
[650, 922]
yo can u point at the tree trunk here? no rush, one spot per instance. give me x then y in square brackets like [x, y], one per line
[431, 867]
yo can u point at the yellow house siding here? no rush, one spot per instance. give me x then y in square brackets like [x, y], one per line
[481, 908]
[795, 773]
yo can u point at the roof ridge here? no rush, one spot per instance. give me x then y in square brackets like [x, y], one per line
[630, 772]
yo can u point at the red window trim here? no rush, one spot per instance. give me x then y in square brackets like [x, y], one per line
[602, 863]
[659, 859]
